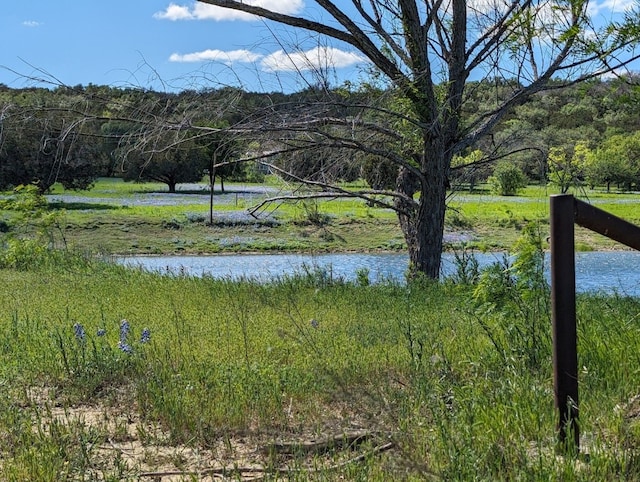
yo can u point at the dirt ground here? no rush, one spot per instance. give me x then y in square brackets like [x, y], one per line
[140, 450]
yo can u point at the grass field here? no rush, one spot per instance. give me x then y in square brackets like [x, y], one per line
[113, 374]
[129, 218]
[300, 379]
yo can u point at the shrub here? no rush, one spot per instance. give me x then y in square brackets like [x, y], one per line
[507, 179]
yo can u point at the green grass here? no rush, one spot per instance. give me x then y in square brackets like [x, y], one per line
[457, 385]
[457, 377]
[492, 222]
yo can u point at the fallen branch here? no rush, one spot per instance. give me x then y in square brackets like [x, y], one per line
[349, 439]
[261, 470]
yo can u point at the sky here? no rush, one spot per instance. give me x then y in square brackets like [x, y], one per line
[171, 45]
[156, 44]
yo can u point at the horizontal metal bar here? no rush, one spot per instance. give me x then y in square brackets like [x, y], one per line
[607, 224]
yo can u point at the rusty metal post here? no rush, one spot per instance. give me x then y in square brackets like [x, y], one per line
[563, 303]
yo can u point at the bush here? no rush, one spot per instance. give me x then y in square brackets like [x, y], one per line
[507, 179]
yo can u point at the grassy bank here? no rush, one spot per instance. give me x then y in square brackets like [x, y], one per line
[427, 381]
[127, 218]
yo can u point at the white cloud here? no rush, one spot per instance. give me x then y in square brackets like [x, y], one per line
[611, 6]
[31, 23]
[204, 11]
[280, 61]
[319, 57]
[174, 12]
[213, 55]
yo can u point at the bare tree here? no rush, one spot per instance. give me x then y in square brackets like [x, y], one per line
[429, 52]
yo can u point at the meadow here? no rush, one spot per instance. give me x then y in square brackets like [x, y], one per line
[132, 218]
[110, 373]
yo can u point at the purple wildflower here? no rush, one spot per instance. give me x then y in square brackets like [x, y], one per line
[146, 336]
[78, 329]
[125, 347]
[101, 332]
[124, 331]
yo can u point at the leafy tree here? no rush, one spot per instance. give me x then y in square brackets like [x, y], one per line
[565, 168]
[601, 169]
[112, 134]
[469, 168]
[507, 179]
[616, 160]
[379, 173]
[172, 163]
[427, 52]
[41, 151]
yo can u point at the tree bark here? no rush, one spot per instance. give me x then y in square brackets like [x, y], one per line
[423, 225]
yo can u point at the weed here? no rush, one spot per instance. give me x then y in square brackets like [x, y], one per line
[312, 214]
[512, 304]
[467, 266]
[209, 364]
[91, 364]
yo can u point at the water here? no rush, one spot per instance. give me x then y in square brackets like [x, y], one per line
[595, 271]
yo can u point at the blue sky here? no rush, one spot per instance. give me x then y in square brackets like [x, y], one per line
[149, 43]
[172, 44]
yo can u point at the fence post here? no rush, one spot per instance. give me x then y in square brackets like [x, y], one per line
[563, 305]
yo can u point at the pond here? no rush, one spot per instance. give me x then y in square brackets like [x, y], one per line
[607, 271]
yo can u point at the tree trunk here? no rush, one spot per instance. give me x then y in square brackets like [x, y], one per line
[172, 187]
[423, 226]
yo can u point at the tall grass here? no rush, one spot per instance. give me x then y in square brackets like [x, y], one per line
[463, 391]
[457, 374]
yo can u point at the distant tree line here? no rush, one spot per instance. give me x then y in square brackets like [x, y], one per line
[570, 136]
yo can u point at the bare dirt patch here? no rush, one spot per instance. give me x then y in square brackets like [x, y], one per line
[142, 450]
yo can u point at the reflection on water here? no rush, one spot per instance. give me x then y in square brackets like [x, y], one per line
[606, 271]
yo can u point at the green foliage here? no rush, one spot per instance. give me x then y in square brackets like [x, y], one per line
[35, 230]
[616, 161]
[310, 212]
[512, 303]
[507, 179]
[589, 113]
[467, 267]
[565, 169]
[237, 360]
[378, 172]
[176, 161]
[468, 169]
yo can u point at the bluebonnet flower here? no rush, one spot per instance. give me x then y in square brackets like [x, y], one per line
[314, 323]
[124, 331]
[125, 347]
[78, 329]
[146, 336]
[101, 332]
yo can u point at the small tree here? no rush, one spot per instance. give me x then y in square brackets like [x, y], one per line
[565, 169]
[170, 164]
[616, 160]
[507, 179]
